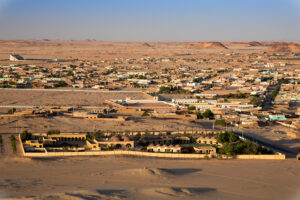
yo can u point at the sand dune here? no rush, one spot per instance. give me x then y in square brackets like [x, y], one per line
[139, 178]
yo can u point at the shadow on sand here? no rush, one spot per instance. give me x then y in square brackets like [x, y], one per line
[180, 171]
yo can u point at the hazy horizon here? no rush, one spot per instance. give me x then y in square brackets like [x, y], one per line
[150, 21]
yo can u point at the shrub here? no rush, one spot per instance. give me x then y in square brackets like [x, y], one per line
[11, 111]
[13, 143]
[220, 156]
[221, 122]
[53, 131]
[60, 84]
[145, 114]
[25, 135]
[190, 108]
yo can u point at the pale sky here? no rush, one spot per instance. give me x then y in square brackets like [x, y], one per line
[151, 20]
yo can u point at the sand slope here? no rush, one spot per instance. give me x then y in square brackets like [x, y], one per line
[140, 178]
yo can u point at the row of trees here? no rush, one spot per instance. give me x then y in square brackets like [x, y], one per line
[275, 92]
[25, 135]
[232, 145]
[13, 143]
[238, 95]
[53, 131]
[95, 135]
[172, 90]
[247, 147]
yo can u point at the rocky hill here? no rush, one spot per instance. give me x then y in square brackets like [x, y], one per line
[207, 45]
[285, 47]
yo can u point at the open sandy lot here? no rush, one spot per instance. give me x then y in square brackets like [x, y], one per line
[38, 124]
[139, 178]
[61, 98]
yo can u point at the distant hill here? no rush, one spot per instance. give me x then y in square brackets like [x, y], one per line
[255, 44]
[285, 47]
[146, 44]
[207, 45]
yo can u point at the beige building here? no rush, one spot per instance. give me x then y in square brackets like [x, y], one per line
[116, 142]
[164, 148]
[207, 140]
[205, 150]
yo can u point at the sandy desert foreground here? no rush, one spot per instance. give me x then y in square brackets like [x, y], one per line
[139, 178]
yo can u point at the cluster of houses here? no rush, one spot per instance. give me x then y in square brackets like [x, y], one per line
[244, 90]
[152, 143]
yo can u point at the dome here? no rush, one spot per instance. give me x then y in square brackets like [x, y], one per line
[115, 139]
[126, 138]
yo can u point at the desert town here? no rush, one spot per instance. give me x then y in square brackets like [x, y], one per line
[183, 101]
[214, 87]
[149, 100]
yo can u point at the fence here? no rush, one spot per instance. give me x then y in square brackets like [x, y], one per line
[122, 153]
[149, 154]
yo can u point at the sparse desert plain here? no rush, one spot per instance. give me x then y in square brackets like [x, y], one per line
[140, 178]
[95, 50]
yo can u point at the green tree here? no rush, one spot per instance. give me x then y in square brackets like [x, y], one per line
[227, 137]
[25, 135]
[228, 149]
[191, 107]
[11, 111]
[208, 114]
[199, 115]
